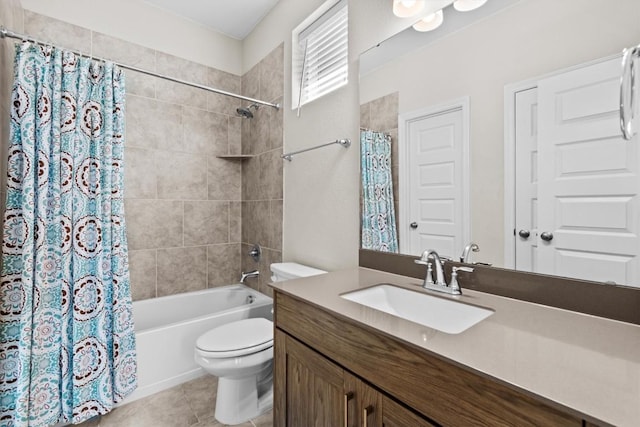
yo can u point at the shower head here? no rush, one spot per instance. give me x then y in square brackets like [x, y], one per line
[246, 111]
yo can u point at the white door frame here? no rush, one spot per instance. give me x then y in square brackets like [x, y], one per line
[510, 91]
[404, 189]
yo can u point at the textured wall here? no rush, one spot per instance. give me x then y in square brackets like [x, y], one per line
[262, 174]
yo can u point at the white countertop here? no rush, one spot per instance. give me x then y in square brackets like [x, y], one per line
[581, 361]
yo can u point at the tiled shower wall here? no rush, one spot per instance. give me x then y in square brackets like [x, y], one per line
[381, 115]
[183, 205]
[262, 137]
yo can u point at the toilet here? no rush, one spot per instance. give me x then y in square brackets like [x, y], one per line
[240, 354]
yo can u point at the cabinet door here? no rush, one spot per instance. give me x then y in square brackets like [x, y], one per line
[309, 389]
[395, 415]
[364, 408]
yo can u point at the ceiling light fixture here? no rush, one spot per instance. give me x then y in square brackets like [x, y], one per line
[429, 22]
[407, 8]
[467, 5]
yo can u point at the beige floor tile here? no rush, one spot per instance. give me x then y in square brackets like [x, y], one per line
[191, 404]
[93, 422]
[168, 408]
[201, 396]
[211, 422]
[265, 420]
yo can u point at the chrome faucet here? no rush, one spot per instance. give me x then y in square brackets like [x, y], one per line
[424, 260]
[471, 247]
[440, 284]
[248, 274]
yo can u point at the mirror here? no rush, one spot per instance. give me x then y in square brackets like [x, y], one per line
[473, 74]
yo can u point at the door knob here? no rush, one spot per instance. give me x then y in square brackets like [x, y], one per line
[524, 234]
[546, 236]
[413, 225]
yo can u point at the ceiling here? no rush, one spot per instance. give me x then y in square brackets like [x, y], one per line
[234, 18]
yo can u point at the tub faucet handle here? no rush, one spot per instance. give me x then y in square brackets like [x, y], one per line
[255, 252]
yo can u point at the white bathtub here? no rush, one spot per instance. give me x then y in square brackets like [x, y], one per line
[167, 329]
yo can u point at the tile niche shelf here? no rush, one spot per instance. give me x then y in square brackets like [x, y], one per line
[236, 156]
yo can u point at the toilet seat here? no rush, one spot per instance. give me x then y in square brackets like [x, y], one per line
[239, 338]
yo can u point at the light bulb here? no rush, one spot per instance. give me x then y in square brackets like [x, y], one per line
[407, 8]
[467, 5]
[430, 22]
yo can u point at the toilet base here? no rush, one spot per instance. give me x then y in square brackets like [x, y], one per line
[239, 400]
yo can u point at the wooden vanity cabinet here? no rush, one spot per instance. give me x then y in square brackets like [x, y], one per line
[310, 388]
[395, 415]
[331, 371]
[317, 392]
[368, 407]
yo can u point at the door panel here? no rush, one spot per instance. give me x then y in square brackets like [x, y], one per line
[526, 130]
[589, 180]
[436, 152]
[365, 398]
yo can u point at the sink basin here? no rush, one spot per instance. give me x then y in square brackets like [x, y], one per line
[447, 316]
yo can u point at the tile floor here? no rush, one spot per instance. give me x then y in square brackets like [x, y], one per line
[187, 405]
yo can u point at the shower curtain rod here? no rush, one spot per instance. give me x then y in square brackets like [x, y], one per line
[10, 34]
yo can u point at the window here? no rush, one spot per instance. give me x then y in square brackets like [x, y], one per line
[320, 53]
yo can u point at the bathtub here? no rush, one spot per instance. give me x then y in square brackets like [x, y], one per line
[167, 329]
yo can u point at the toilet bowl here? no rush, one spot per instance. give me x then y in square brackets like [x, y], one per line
[240, 354]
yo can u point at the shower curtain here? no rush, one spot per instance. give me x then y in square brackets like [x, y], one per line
[378, 213]
[67, 344]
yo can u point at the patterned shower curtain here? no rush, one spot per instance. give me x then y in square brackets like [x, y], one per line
[378, 213]
[67, 344]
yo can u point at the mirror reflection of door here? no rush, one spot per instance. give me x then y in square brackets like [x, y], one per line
[434, 162]
[526, 199]
[586, 175]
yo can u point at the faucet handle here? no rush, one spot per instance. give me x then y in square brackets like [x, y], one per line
[454, 285]
[429, 277]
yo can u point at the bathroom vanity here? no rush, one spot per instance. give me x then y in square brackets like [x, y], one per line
[339, 363]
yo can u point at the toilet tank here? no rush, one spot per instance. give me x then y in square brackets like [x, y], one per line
[291, 270]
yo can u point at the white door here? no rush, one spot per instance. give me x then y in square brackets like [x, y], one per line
[438, 212]
[526, 186]
[588, 179]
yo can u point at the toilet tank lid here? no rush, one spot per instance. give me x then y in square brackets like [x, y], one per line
[293, 269]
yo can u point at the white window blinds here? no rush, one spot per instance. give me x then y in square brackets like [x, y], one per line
[321, 55]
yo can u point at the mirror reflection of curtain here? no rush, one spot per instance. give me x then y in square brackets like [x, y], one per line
[378, 214]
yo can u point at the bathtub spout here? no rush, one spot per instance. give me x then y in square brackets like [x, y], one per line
[248, 274]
